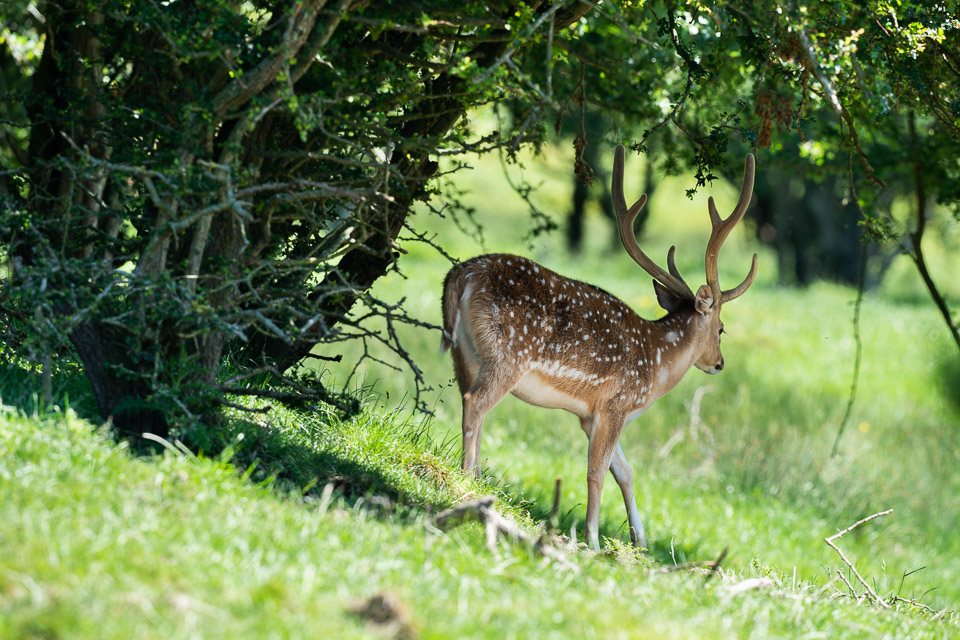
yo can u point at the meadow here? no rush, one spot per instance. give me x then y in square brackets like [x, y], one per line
[248, 543]
[762, 431]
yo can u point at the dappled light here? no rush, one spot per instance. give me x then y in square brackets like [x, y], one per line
[236, 240]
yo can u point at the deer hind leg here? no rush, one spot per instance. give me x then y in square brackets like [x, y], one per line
[604, 434]
[483, 394]
[623, 475]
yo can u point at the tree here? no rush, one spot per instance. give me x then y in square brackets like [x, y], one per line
[196, 194]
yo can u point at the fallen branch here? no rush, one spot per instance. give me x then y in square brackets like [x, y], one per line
[553, 520]
[716, 564]
[840, 534]
[711, 565]
[496, 525]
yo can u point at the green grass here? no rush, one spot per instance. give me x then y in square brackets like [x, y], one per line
[99, 543]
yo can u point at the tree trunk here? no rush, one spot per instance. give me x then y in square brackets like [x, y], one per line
[363, 267]
[102, 351]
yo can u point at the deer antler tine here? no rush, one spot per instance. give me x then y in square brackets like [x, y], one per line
[721, 229]
[746, 190]
[737, 291]
[671, 264]
[616, 188]
[625, 218]
[715, 220]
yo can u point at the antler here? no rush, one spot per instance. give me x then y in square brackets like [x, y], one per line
[625, 217]
[721, 229]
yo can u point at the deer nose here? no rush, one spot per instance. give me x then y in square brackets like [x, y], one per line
[719, 366]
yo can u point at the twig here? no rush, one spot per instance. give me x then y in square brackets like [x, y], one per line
[829, 540]
[463, 512]
[716, 564]
[861, 285]
[840, 534]
[241, 407]
[513, 48]
[712, 565]
[853, 592]
[553, 518]
[336, 358]
[496, 525]
[670, 117]
[938, 613]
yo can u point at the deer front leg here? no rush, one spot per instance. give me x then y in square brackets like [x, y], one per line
[604, 433]
[623, 475]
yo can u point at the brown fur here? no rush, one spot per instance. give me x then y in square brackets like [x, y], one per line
[516, 327]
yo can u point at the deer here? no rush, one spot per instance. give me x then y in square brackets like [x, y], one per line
[516, 327]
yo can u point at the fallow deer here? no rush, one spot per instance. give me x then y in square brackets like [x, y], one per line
[517, 327]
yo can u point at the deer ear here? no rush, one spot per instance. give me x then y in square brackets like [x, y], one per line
[703, 302]
[667, 299]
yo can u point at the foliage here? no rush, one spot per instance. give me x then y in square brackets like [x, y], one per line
[196, 194]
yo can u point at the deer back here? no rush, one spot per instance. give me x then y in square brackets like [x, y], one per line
[514, 317]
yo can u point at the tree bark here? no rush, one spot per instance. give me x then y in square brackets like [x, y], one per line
[103, 351]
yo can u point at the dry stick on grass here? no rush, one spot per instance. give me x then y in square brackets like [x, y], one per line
[840, 534]
[716, 564]
[495, 524]
[711, 565]
[938, 613]
[853, 592]
[553, 521]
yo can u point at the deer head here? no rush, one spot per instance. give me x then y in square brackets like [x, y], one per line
[671, 289]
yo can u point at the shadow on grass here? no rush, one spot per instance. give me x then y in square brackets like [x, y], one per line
[295, 463]
[661, 551]
[299, 461]
[305, 468]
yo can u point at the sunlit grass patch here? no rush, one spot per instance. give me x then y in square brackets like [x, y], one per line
[102, 544]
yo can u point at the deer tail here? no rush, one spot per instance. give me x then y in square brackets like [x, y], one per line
[453, 287]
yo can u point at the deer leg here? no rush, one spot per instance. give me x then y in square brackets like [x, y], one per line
[604, 433]
[485, 392]
[623, 475]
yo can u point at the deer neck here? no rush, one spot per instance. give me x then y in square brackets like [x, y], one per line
[679, 339]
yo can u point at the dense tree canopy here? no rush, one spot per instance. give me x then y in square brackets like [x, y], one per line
[196, 193]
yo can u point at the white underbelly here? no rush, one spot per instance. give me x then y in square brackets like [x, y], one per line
[536, 390]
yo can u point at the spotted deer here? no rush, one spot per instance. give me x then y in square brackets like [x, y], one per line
[517, 327]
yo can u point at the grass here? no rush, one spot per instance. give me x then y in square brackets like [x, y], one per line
[103, 544]
[100, 543]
